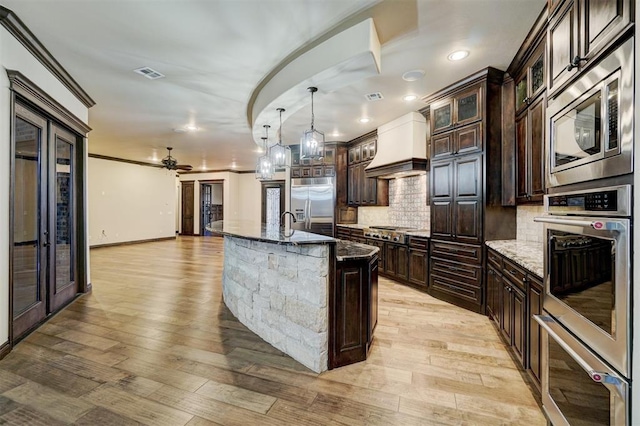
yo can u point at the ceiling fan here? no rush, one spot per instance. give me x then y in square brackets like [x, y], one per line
[170, 163]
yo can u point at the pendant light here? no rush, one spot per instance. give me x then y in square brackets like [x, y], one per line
[312, 141]
[265, 169]
[280, 154]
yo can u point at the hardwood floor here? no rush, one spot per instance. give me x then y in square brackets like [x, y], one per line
[154, 344]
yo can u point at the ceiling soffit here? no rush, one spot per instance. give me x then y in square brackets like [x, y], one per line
[347, 57]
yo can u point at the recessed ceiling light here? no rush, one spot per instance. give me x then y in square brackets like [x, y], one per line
[179, 130]
[413, 75]
[409, 98]
[364, 120]
[191, 128]
[335, 134]
[458, 55]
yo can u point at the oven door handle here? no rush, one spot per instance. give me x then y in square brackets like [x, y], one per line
[598, 225]
[610, 381]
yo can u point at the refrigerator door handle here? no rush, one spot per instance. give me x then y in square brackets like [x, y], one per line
[308, 215]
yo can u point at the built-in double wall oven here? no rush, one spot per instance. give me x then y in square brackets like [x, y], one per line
[587, 293]
[590, 133]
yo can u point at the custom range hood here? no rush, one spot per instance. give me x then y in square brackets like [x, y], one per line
[402, 148]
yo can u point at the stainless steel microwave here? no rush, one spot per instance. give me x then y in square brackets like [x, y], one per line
[590, 124]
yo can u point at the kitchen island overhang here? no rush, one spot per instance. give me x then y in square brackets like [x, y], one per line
[282, 286]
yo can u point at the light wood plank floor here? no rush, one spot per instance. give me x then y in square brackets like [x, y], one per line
[154, 344]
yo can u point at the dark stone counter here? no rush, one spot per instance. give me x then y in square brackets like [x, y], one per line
[348, 250]
[260, 232]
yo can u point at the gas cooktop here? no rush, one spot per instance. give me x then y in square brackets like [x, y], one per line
[387, 233]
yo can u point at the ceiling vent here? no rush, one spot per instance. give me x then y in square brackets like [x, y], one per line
[374, 96]
[150, 73]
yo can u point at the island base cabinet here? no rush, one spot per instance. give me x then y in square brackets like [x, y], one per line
[353, 311]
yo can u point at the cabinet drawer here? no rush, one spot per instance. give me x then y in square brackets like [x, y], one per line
[456, 289]
[343, 233]
[329, 171]
[495, 259]
[419, 243]
[462, 272]
[317, 171]
[467, 253]
[515, 274]
[295, 172]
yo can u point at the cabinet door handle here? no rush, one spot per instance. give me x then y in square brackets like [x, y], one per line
[575, 62]
[512, 271]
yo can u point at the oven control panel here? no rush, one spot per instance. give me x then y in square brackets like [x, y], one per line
[606, 201]
[611, 201]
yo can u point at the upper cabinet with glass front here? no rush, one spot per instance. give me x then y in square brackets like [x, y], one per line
[461, 109]
[530, 82]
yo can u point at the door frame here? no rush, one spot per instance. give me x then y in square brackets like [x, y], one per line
[263, 197]
[183, 205]
[209, 182]
[23, 91]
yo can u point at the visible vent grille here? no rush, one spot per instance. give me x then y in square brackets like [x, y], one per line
[150, 73]
[374, 96]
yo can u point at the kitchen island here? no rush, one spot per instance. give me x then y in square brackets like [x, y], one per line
[282, 285]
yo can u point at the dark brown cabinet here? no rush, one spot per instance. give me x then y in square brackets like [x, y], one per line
[463, 141]
[307, 168]
[514, 296]
[463, 108]
[562, 40]
[354, 307]
[396, 260]
[534, 298]
[530, 134]
[466, 186]
[456, 199]
[361, 190]
[418, 268]
[583, 29]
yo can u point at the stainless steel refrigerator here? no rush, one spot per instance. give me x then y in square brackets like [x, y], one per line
[313, 204]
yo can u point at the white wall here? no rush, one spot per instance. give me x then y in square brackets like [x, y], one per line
[129, 202]
[241, 192]
[14, 56]
[216, 194]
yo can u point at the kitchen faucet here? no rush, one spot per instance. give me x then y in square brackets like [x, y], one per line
[284, 214]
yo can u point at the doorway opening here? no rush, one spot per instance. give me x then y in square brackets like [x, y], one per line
[272, 202]
[211, 205]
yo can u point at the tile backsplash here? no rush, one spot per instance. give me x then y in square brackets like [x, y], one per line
[526, 228]
[373, 215]
[408, 202]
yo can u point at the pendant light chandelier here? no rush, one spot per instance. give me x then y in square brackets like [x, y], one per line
[280, 154]
[265, 169]
[312, 141]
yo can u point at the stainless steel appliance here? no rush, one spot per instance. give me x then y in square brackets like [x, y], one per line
[590, 133]
[395, 234]
[313, 204]
[577, 387]
[588, 268]
[587, 296]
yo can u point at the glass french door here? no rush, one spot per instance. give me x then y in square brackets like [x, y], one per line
[43, 260]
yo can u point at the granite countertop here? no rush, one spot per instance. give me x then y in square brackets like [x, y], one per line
[352, 225]
[348, 250]
[424, 233]
[260, 232]
[527, 254]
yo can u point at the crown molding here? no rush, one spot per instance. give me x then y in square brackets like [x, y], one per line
[19, 30]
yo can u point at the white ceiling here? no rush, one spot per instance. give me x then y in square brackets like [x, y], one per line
[215, 53]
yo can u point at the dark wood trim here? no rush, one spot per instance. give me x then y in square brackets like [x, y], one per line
[25, 243]
[404, 167]
[489, 74]
[192, 172]
[28, 90]
[365, 137]
[19, 30]
[536, 34]
[12, 197]
[27, 157]
[126, 243]
[5, 349]
[124, 160]
[82, 216]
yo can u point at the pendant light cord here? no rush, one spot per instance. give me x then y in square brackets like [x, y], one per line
[312, 115]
